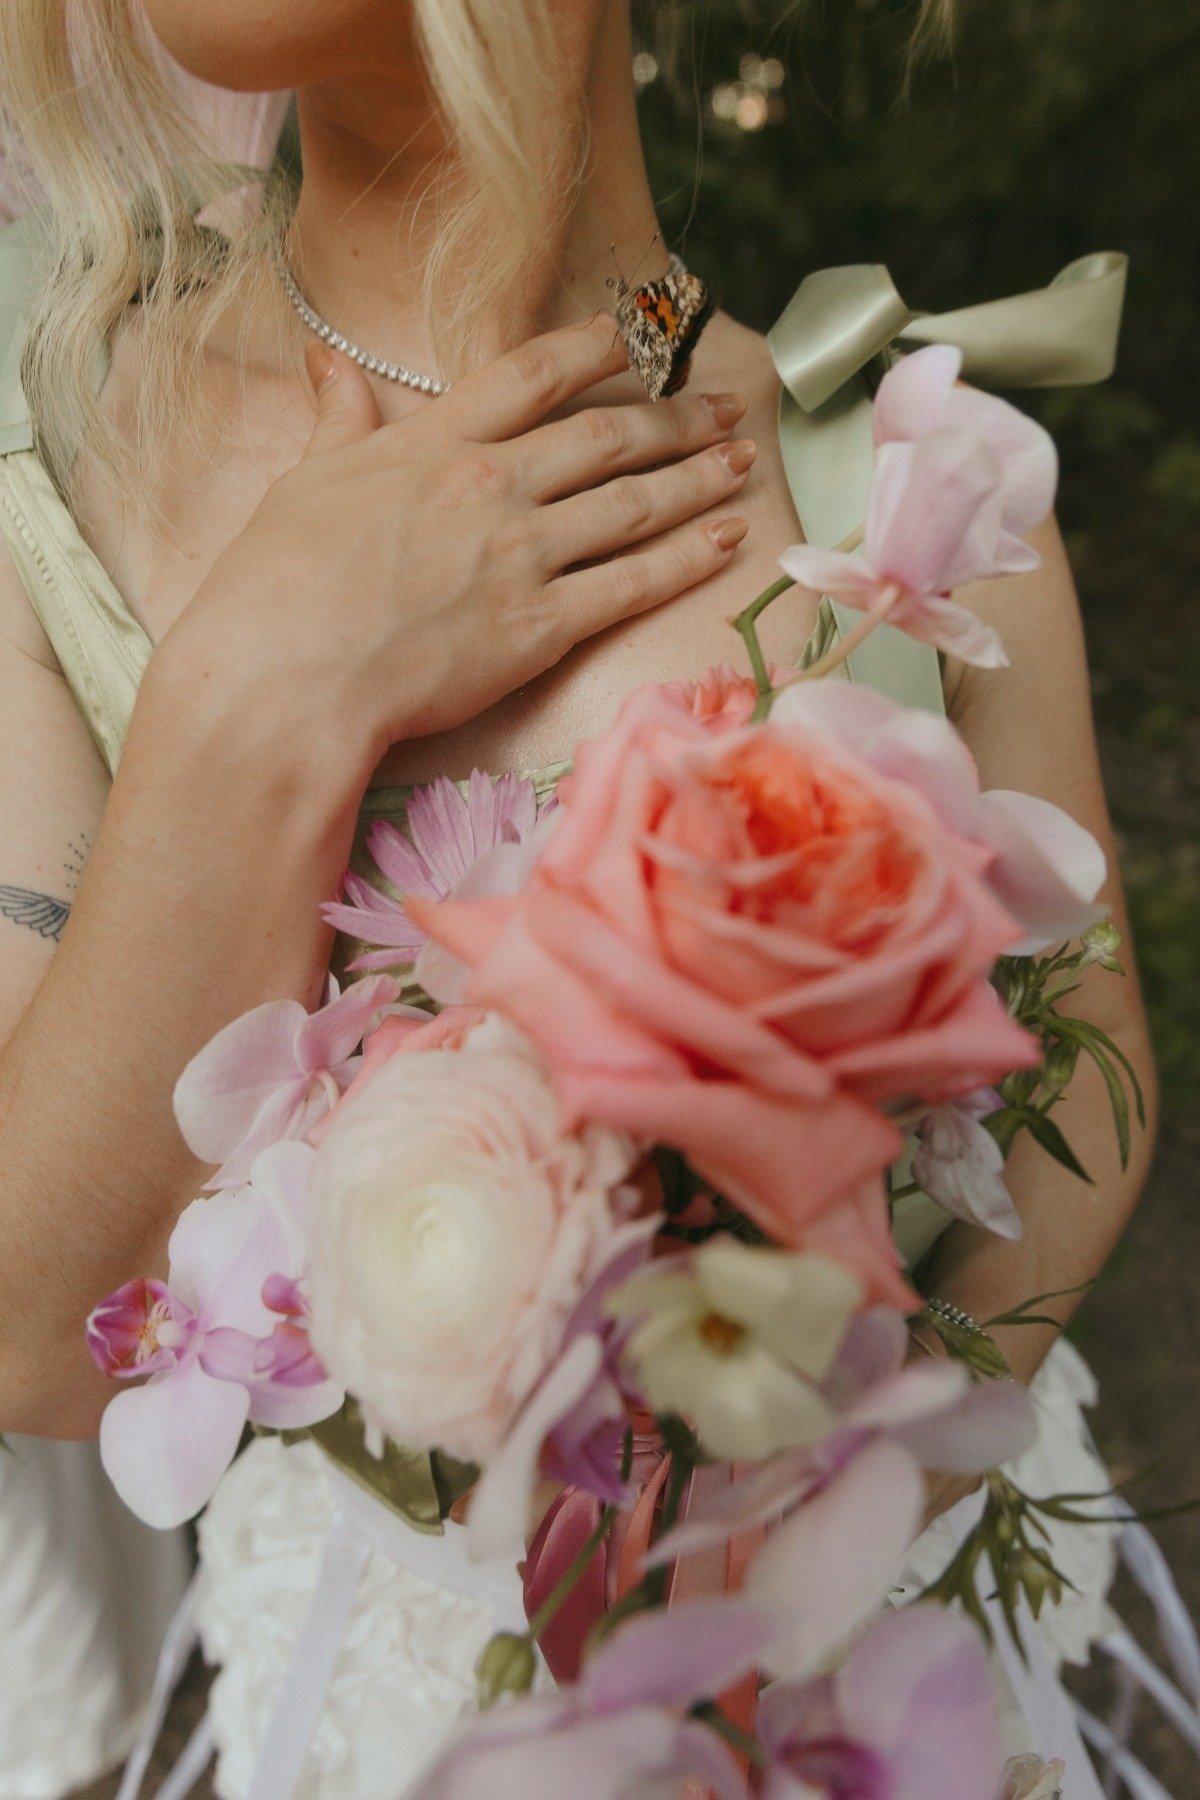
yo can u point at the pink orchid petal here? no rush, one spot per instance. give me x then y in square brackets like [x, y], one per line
[165, 1446]
[222, 1251]
[874, 1347]
[918, 1687]
[287, 1114]
[829, 1565]
[326, 1038]
[283, 1406]
[910, 1394]
[726, 1512]
[121, 1337]
[961, 1166]
[220, 1093]
[676, 1655]
[529, 1749]
[912, 397]
[1048, 869]
[500, 1503]
[990, 1424]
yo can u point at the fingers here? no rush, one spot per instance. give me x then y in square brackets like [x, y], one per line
[591, 599]
[634, 507]
[523, 387]
[580, 452]
[347, 410]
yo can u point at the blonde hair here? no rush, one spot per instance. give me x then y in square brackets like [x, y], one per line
[126, 175]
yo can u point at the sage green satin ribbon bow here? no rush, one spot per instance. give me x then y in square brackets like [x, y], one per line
[841, 321]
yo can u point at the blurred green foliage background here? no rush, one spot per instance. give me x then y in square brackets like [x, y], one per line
[1053, 128]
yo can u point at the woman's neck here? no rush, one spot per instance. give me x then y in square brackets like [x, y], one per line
[375, 158]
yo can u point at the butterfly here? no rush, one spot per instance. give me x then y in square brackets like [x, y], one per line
[661, 324]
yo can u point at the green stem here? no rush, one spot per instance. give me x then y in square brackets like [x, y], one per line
[905, 1192]
[710, 1714]
[566, 1582]
[745, 624]
[845, 647]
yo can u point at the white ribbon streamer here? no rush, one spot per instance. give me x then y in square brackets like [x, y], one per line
[310, 1668]
[177, 1646]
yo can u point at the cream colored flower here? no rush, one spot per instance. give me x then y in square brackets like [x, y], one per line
[736, 1341]
[1029, 1778]
[456, 1225]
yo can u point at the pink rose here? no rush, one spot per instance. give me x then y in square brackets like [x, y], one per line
[457, 1224]
[745, 945]
[720, 698]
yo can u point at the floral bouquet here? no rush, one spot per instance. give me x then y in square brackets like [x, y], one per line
[612, 1212]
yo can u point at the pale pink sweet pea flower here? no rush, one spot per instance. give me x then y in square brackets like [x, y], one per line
[621, 1732]
[961, 1166]
[910, 1715]
[1042, 867]
[223, 1341]
[957, 476]
[273, 1074]
[448, 834]
[922, 394]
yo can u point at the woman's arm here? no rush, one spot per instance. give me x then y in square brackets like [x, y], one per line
[224, 830]
[1030, 728]
[393, 583]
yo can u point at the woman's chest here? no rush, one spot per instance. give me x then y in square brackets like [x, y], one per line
[210, 495]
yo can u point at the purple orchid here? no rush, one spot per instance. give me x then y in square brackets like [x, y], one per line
[449, 833]
[572, 1427]
[910, 1715]
[621, 1732]
[273, 1074]
[1042, 867]
[223, 1341]
[961, 1166]
[958, 477]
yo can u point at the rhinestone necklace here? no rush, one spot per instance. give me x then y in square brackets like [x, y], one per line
[374, 365]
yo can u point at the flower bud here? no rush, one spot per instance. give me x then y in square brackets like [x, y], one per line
[507, 1665]
[1101, 943]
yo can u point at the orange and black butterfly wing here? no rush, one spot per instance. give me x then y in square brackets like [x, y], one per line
[661, 324]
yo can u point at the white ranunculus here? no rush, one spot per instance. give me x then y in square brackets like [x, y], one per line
[457, 1224]
[736, 1340]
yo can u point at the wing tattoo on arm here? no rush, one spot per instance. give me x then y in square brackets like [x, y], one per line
[37, 912]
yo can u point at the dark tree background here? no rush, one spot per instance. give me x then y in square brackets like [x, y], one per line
[1052, 128]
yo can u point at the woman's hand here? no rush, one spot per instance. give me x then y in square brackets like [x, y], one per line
[404, 577]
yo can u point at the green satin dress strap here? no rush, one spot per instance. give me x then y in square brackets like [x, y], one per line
[840, 332]
[101, 648]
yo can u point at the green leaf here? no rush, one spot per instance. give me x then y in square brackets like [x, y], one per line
[1092, 1039]
[1020, 1315]
[1065, 1030]
[1045, 1132]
